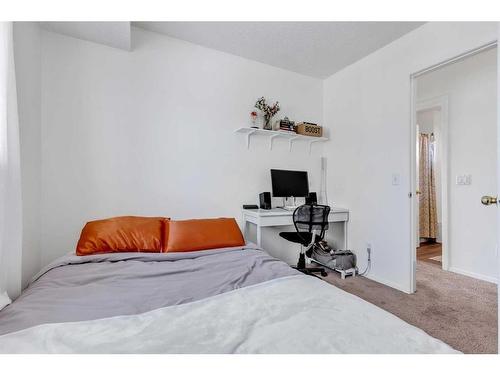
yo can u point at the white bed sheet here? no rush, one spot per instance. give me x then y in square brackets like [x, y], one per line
[295, 314]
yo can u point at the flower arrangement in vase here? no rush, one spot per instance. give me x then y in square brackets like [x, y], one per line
[269, 111]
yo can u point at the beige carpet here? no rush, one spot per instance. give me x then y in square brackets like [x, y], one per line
[456, 309]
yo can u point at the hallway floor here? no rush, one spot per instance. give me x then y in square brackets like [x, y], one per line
[456, 309]
[430, 252]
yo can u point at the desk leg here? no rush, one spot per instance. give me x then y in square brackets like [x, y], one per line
[259, 236]
[245, 230]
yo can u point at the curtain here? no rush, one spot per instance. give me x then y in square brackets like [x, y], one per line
[427, 182]
[10, 180]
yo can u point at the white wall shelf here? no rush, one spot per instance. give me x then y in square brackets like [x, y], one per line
[272, 134]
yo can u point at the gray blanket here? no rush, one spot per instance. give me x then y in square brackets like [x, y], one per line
[79, 288]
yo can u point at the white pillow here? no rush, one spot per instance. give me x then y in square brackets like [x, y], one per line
[4, 300]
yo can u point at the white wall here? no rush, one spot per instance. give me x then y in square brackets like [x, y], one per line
[151, 132]
[28, 76]
[471, 86]
[367, 107]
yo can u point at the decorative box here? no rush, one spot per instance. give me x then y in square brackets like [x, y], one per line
[307, 128]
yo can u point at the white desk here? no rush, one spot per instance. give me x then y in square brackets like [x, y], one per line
[279, 217]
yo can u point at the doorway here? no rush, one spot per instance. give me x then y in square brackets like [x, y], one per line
[432, 180]
[454, 164]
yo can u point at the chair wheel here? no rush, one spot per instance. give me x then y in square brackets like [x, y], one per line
[324, 273]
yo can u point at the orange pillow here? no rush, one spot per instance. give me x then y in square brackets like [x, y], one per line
[123, 234]
[202, 234]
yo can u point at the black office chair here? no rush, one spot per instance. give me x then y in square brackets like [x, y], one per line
[311, 223]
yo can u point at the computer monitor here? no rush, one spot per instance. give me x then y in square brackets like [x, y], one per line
[289, 183]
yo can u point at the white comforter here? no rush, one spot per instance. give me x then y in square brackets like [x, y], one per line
[297, 314]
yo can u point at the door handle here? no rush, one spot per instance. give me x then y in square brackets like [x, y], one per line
[487, 200]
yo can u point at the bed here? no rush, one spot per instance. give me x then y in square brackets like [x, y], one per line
[231, 300]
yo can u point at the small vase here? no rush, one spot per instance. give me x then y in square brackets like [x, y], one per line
[267, 123]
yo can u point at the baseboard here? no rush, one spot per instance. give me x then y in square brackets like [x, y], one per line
[493, 280]
[388, 283]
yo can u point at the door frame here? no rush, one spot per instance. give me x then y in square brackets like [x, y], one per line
[413, 140]
[440, 102]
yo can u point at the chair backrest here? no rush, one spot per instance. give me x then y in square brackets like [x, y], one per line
[309, 218]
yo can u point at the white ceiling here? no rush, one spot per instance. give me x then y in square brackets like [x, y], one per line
[113, 34]
[317, 49]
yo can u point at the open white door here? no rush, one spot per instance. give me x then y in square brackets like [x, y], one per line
[492, 201]
[498, 186]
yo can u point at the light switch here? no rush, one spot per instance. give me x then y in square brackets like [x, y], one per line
[396, 179]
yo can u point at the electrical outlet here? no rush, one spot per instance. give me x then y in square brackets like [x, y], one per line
[464, 179]
[369, 251]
